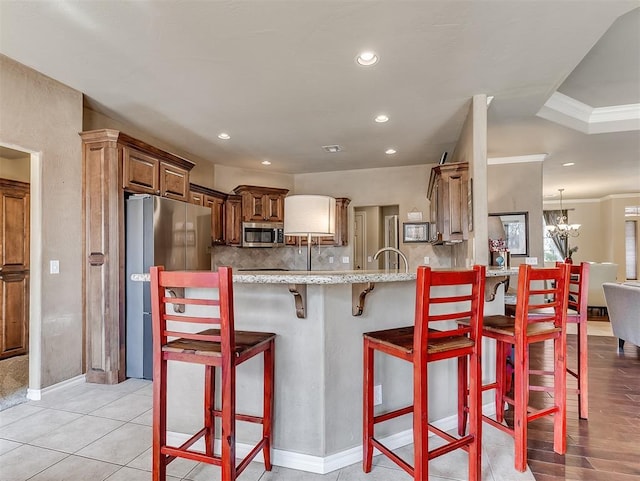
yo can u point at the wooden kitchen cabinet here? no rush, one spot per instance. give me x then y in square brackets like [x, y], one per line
[448, 192]
[341, 237]
[233, 220]
[113, 163]
[261, 204]
[155, 172]
[215, 200]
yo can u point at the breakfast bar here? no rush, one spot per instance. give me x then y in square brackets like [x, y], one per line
[318, 373]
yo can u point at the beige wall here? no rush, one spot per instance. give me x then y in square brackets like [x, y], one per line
[402, 186]
[518, 188]
[228, 178]
[15, 169]
[472, 148]
[42, 116]
[202, 173]
[601, 236]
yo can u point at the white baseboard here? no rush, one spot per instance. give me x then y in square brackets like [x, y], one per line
[36, 394]
[327, 464]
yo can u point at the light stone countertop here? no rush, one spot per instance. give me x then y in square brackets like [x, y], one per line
[326, 277]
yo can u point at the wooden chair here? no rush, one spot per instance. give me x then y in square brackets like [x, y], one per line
[462, 297]
[219, 346]
[538, 288]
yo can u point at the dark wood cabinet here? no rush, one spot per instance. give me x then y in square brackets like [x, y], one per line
[261, 204]
[448, 192]
[233, 220]
[215, 201]
[341, 237]
[114, 163]
[154, 172]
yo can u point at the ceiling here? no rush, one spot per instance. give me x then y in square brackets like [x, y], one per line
[280, 77]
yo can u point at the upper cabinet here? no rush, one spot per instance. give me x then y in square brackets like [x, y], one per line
[215, 201]
[148, 170]
[261, 204]
[233, 220]
[448, 193]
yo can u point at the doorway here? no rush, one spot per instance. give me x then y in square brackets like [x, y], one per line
[375, 226]
[15, 255]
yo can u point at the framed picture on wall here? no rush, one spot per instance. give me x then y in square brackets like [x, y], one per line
[516, 230]
[415, 232]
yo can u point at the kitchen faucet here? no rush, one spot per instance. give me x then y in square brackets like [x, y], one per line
[397, 251]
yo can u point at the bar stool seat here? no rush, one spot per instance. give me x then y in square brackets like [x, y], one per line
[420, 344]
[220, 346]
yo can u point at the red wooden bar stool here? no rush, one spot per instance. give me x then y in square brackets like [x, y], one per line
[220, 346]
[459, 295]
[538, 288]
[576, 313]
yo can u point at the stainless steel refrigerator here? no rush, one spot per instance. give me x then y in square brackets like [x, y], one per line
[159, 231]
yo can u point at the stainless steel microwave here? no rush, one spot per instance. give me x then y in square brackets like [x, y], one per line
[262, 234]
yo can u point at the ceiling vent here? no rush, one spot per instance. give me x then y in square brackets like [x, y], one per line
[332, 149]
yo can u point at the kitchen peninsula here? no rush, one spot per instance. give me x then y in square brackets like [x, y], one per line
[318, 394]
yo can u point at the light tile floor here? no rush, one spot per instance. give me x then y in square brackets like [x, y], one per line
[97, 432]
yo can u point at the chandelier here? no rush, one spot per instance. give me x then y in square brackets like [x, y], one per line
[561, 229]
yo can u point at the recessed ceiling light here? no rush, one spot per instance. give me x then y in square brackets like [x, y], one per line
[390, 151]
[367, 58]
[568, 164]
[265, 162]
[381, 119]
[224, 136]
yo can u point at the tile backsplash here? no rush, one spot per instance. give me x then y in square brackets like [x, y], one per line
[287, 257]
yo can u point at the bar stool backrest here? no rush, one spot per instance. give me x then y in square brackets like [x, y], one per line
[543, 289]
[447, 296]
[168, 291]
[578, 287]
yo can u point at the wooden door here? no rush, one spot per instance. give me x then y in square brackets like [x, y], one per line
[14, 268]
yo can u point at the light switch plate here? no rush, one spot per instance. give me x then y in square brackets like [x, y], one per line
[345, 260]
[54, 267]
[532, 261]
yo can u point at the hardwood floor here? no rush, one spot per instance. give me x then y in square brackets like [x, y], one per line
[606, 446]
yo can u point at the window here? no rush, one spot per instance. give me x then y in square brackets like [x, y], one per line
[554, 249]
[631, 248]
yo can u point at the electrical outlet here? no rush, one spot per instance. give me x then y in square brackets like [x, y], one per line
[426, 260]
[345, 260]
[331, 260]
[54, 267]
[369, 259]
[377, 394]
[532, 261]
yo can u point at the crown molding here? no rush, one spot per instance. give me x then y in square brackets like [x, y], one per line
[572, 113]
[516, 159]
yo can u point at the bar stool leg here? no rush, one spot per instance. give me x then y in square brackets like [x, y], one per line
[209, 407]
[521, 398]
[583, 376]
[560, 396]
[367, 408]
[475, 417]
[267, 409]
[228, 437]
[159, 465]
[463, 391]
[502, 349]
[420, 421]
